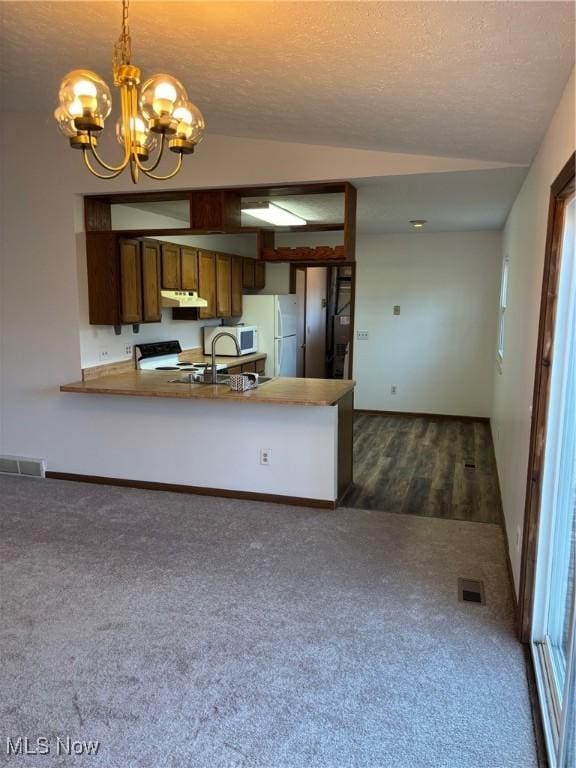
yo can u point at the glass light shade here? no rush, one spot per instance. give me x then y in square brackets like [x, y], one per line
[65, 123]
[142, 135]
[191, 123]
[85, 94]
[159, 96]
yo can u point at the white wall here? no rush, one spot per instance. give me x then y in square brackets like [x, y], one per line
[439, 351]
[524, 242]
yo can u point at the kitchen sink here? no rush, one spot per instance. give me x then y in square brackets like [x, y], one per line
[200, 378]
[221, 378]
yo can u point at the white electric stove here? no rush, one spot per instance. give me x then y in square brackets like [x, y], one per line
[163, 356]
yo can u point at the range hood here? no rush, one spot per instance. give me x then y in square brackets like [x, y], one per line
[182, 299]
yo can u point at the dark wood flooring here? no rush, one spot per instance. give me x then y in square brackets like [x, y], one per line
[418, 466]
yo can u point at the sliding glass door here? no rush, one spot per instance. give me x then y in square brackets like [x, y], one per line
[554, 617]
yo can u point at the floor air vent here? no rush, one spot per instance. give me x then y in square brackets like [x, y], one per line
[471, 591]
[18, 465]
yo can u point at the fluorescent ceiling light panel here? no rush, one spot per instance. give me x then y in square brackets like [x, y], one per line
[273, 214]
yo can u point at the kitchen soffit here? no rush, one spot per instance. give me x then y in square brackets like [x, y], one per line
[457, 201]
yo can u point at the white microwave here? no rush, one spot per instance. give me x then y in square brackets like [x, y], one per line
[245, 335]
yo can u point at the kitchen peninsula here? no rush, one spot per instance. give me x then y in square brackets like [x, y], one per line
[205, 438]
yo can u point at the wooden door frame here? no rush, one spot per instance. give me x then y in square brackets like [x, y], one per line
[294, 284]
[352, 264]
[561, 189]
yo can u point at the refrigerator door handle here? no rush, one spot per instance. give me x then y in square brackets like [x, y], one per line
[277, 357]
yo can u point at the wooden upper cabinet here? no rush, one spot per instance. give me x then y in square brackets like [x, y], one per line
[207, 283]
[248, 273]
[151, 302]
[171, 280]
[259, 274]
[189, 268]
[104, 287]
[223, 285]
[236, 287]
[131, 281]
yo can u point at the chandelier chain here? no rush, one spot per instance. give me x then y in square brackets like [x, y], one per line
[123, 47]
[159, 108]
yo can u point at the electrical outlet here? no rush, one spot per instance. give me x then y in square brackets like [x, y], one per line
[393, 389]
[104, 355]
[128, 349]
[362, 335]
[396, 310]
[265, 456]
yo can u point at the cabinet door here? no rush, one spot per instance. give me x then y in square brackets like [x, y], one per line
[234, 369]
[259, 274]
[223, 285]
[189, 269]
[261, 367]
[249, 367]
[151, 307]
[171, 280]
[248, 273]
[207, 283]
[236, 282]
[130, 281]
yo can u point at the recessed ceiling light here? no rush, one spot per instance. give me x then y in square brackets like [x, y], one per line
[418, 223]
[273, 214]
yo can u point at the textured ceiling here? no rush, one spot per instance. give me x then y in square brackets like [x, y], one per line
[461, 79]
[450, 202]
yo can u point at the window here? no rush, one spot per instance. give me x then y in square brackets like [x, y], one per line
[503, 303]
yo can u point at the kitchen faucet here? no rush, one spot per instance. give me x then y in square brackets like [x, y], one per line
[213, 375]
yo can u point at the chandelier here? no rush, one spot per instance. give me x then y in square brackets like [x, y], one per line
[153, 116]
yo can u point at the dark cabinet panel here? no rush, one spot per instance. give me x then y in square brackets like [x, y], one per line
[259, 275]
[248, 273]
[207, 283]
[103, 267]
[189, 269]
[131, 281]
[151, 306]
[223, 285]
[214, 209]
[236, 287]
[171, 280]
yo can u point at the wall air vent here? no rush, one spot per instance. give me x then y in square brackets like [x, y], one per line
[19, 465]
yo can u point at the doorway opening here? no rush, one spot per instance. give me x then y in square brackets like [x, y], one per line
[324, 334]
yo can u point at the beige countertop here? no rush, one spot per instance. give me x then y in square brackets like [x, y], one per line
[278, 391]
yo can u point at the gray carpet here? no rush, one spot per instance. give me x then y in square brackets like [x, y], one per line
[193, 632]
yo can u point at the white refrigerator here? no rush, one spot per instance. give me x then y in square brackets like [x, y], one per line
[275, 318]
